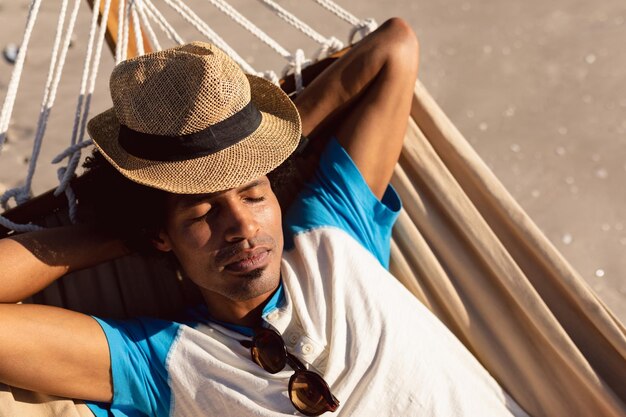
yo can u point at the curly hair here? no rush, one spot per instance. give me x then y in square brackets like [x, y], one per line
[134, 212]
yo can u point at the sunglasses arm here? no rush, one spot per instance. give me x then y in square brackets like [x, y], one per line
[294, 362]
[247, 343]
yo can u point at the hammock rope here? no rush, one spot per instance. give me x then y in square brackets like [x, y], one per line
[360, 27]
[9, 100]
[165, 26]
[90, 73]
[231, 12]
[120, 49]
[58, 72]
[192, 18]
[296, 61]
[22, 194]
[329, 45]
[126, 31]
[132, 5]
[141, 10]
[338, 11]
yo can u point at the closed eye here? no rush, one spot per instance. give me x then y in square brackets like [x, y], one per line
[206, 213]
[201, 218]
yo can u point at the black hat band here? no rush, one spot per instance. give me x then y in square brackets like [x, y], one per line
[214, 138]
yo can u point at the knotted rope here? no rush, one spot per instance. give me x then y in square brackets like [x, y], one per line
[295, 66]
[362, 28]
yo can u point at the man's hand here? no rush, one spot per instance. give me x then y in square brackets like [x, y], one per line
[366, 95]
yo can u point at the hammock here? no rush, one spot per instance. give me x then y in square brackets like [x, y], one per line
[462, 246]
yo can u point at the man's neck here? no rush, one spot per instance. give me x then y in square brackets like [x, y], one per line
[246, 313]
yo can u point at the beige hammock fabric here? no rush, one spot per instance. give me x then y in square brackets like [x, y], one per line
[15, 402]
[466, 249]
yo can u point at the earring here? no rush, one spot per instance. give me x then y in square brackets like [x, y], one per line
[179, 275]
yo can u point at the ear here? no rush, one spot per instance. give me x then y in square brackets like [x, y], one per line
[162, 242]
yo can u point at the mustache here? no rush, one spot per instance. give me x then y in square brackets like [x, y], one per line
[232, 250]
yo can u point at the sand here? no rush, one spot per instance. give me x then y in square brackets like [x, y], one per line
[538, 88]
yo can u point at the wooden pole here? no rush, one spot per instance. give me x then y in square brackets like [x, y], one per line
[112, 27]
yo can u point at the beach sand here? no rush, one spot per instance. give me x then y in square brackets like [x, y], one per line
[538, 88]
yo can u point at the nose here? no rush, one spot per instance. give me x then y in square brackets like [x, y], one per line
[240, 222]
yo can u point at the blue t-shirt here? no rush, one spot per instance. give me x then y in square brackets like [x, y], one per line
[141, 349]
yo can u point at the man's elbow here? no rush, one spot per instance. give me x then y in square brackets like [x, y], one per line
[402, 45]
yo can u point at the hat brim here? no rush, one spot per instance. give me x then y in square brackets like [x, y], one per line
[271, 143]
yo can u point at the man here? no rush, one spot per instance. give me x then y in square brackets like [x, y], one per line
[309, 324]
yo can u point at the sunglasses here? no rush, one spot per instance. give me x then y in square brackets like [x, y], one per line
[308, 391]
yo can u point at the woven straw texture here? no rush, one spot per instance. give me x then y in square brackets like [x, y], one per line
[186, 89]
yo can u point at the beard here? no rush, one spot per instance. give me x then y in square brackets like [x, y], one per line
[253, 284]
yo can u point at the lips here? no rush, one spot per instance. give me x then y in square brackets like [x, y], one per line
[247, 261]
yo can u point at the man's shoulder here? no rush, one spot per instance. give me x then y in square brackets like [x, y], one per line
[338, 197]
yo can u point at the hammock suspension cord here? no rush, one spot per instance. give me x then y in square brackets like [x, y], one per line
[141, 10]
[9, 100]
[156, 16]
[359, 27]
[21, 194]
[329, 45]
[195, 21]
[121, 46]
[90, 73]
[136, 27]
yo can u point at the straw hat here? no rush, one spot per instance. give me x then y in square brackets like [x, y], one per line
[187, 120]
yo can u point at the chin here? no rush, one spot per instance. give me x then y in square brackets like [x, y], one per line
[254, 284]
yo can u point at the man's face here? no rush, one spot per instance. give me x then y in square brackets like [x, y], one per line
[229, 243]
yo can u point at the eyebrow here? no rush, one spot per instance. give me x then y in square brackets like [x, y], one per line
[191, 199]
[252, 184]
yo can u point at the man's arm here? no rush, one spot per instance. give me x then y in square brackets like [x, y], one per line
[32, 261]
[375, 81]
[44, 348]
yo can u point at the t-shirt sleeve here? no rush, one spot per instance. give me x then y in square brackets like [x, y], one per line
[338, 196]
[138, 350]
